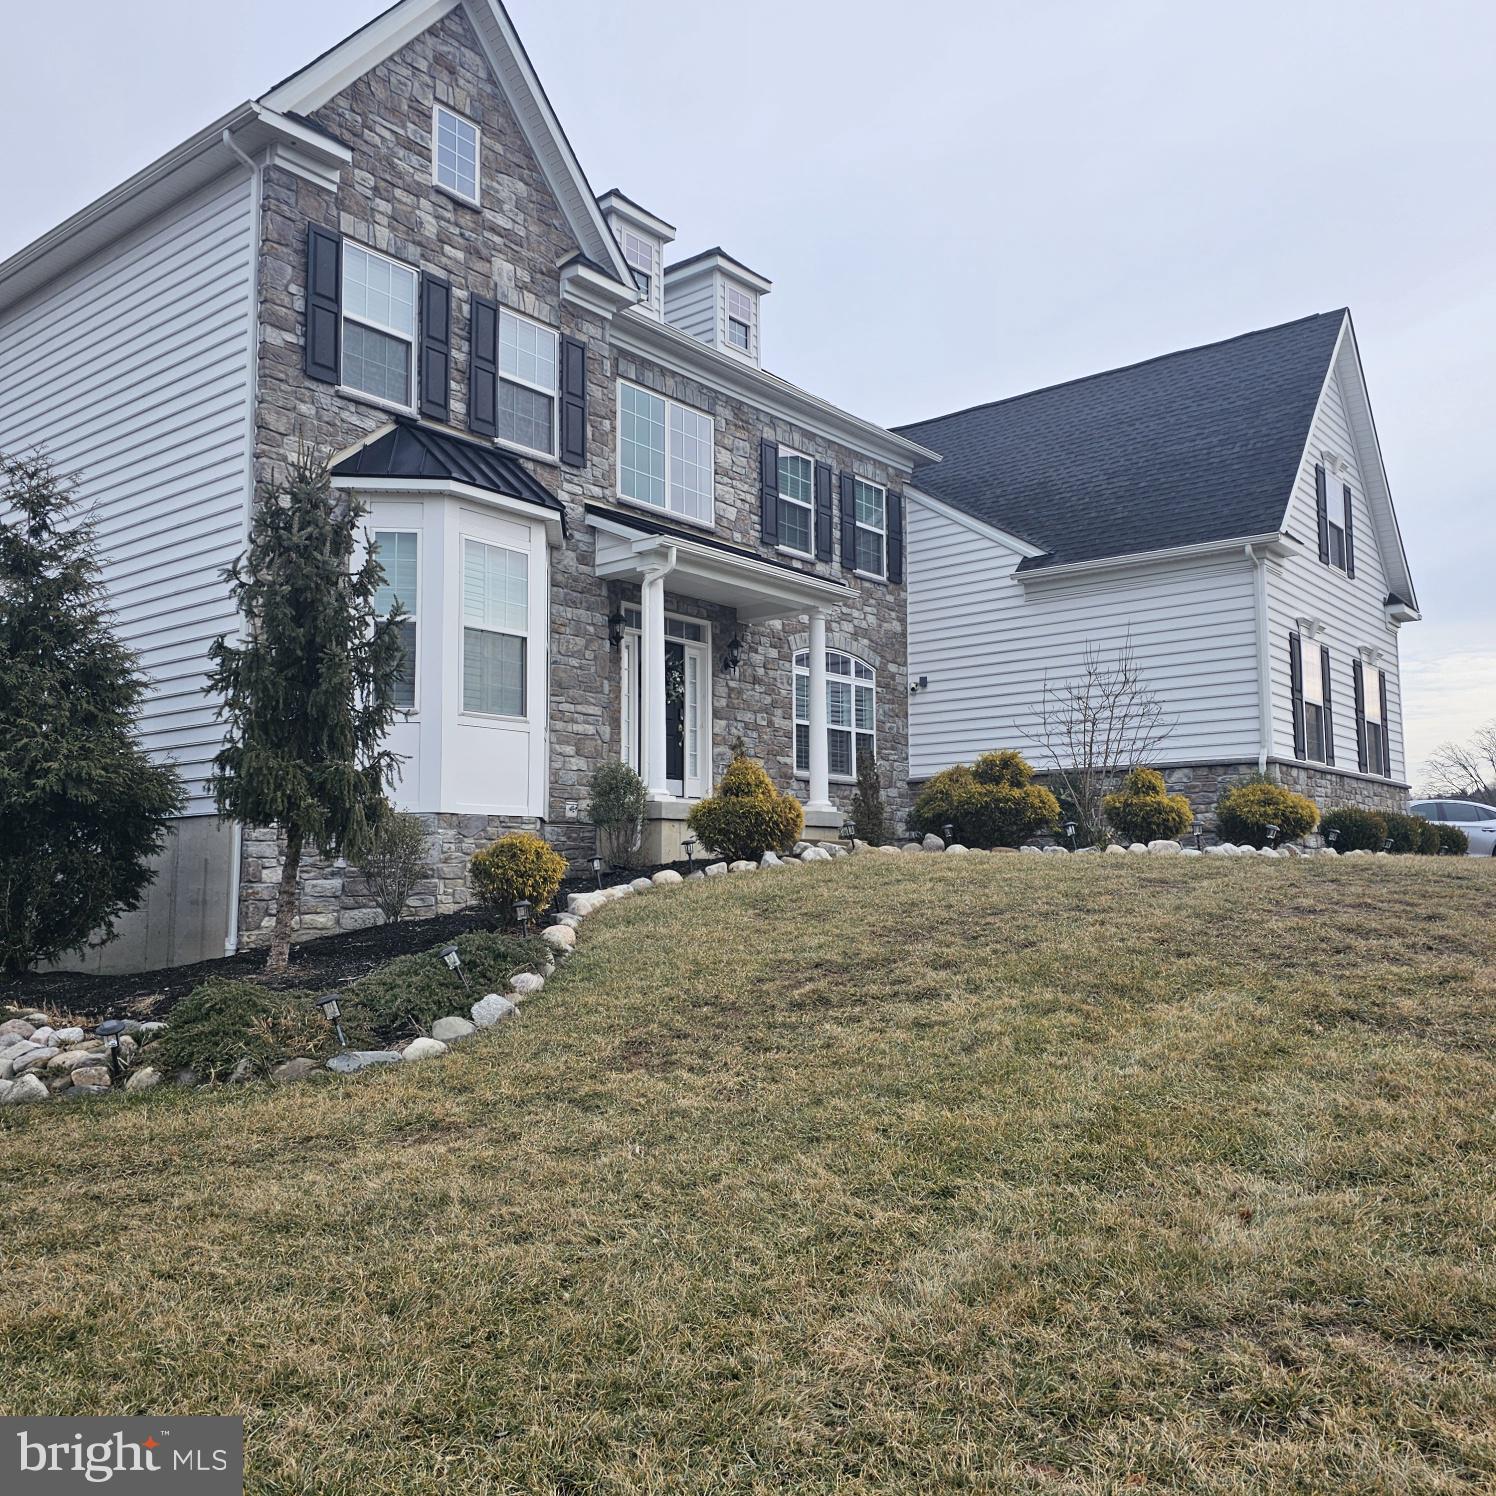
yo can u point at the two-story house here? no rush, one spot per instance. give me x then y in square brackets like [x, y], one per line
[615, 533]
[1223, 514]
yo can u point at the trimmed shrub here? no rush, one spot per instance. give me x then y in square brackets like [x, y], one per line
[520, 865]
[617, 810]
[747, 816]
[1360, 830]
[218, 1024]
[1405, 832]
[994, 803]
[1142, 810]
[868, 815]
[1452, 841]
[396, 862]
[1429, 844]
[1245, 811]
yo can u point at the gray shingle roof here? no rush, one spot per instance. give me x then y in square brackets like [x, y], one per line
[1191, 447]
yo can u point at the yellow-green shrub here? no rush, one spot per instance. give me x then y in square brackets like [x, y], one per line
[518, 866]
[1245, 811]
[1142, 810]
[994, 803]
[747, 816]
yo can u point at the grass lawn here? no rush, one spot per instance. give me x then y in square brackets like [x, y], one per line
[1012, 1174]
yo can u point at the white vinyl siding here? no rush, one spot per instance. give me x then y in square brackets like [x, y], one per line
[986, 645]
[135, 374]
[1349, 608]
[692, 307]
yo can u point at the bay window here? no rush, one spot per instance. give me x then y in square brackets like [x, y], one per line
[851, 715]
[495, 629]
[399, 555]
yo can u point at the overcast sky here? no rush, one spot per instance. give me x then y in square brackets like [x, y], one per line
[959, 201]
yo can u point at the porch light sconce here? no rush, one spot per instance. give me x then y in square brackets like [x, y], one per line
[109, 1031]
[617, 623]
[1272, 835]
[732, 656]
[522, 915]
[454, 963]
[1070, 834]
[688, 846]
[328, 1002]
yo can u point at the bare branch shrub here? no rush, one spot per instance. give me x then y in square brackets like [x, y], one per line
[396, 862]
[1465, 770]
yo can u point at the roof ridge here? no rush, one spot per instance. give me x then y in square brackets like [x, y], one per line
[1142, 363]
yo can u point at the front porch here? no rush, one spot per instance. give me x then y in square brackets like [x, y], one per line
[672, 663]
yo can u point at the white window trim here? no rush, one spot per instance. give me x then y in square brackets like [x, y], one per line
[466, 712]
[410, 340]
[790, 550]
[476, 200]
[554, 395]
[413, 616]
[870, 685]
[880, 532]
[654, 297]
[644, 504]
[729, 317]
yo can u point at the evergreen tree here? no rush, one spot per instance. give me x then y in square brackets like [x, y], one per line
[867, 802]
[82, 808]
[308, 693]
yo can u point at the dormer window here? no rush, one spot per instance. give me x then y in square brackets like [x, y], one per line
[642, 257]
[454, 154]
[642, 237]
[716, 298]
[739, 319]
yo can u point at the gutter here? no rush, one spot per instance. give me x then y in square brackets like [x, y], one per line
[1276, 543]
[1264, 669]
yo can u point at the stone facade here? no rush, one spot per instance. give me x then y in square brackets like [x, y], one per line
[511, 249]
[1203, 785]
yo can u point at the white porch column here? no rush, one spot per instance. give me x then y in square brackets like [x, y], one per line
[820, 773]
[652, 681]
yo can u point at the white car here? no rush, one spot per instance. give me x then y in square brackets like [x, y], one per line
[1478, 822]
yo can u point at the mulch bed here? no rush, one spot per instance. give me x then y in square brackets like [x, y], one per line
[329, 961]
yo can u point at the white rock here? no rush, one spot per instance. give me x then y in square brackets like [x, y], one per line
[1294, 852]
[291, 1071]
[524, 984]
[641, 885]
[46, 1034]
[1116, 849]
[490, 1010]
[1064, 851]
[1034, 850]
[19, 1027]
[860, 846]
[424, 1049]
[742, 866]
[696, 877]
[141, 1080]
[71, 1035]
[815, 854]
[559, 937]
[1358, 852]
[19, 1092]
[1138, 848]
[893, 850]
[18, 1061]
[1162, 847]
[911, 847]
[716, 870]
[771, 859]
[932, 843]
[37, 1019]
[837, 850]
[242, 1072]
[1191, 852]
[1268, 852]
[799, 848]
[1086, 851]
[449, 1030]
[956, 847]
[351, 1061]
[667, 877]
[579, 904]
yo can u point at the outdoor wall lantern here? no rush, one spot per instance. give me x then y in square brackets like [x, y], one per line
[1199, 836]
[733, 655]
[454, 963]
[616, 625]
[328, 1002]
[522, 915]
[109, 1031]
[1070, 834]
[688, 846]
[1272, 835]
[597, 872]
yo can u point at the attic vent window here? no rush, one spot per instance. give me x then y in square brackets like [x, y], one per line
[739, 319]
[454, 161]
[640, 254]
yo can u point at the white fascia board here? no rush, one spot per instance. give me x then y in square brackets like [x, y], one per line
[718, 264]
[634, 333]
[1277, 544]
[614, 203]
[971, 522]
[441, 488]
[590, 289]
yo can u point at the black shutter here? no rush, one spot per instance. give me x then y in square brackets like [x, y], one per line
[823, 512]
[1358, 682]
[1322, 507]
[483, 366]
[324, 303]
[896, 537]
[1350, 535]
[1296, 681]
[768, 490]
[1386, 728]
[573, 402]
[1326, 689]
[849, 521]
[436, 348]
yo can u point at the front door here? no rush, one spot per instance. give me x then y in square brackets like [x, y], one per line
[687, 704]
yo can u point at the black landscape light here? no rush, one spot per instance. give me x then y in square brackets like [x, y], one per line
[597, 870]
[522, 915]
[1387, 845]
[950, 832]
[453, 958]
[849, 830]
[328, 1002]
[1199, 835]
[109, 1031]
[1070, 834]
[688, 846]
[1331, 837]
[1272, 835]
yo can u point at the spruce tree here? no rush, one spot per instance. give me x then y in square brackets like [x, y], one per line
[309, 692]
[82, 808]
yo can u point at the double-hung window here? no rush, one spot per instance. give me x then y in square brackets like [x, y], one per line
[454, 155]
[640, 256]
[379, 325]
[1314, 703]
[1376, 729]
[739, 319]
[399, 555]
[796, 502]
[527, 384]
[870, 522]
[495, 628]
[664, 454]
[1337, 501]
[850, 713]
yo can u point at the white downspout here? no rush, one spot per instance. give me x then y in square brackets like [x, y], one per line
[1264, 670]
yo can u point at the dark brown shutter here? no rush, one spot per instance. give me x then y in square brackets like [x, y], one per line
[483, 366]
[1358, 683]
[768, 491]
[1296, 683]
[573, 402]
[849, 521]
[1326, 686]
[1386, 769]
[824, 511]
[436, 348]
[1350, 534]
[896, 537]
[324, 304]
[1322, 508]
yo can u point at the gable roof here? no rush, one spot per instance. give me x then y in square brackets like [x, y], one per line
[1185, 449]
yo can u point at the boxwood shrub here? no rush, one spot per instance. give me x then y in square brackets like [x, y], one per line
[1360, 830]
[747, 816]
[520, 865]
[1246, 810]
[1452, 841]
[992, 803]
[1142, 810]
